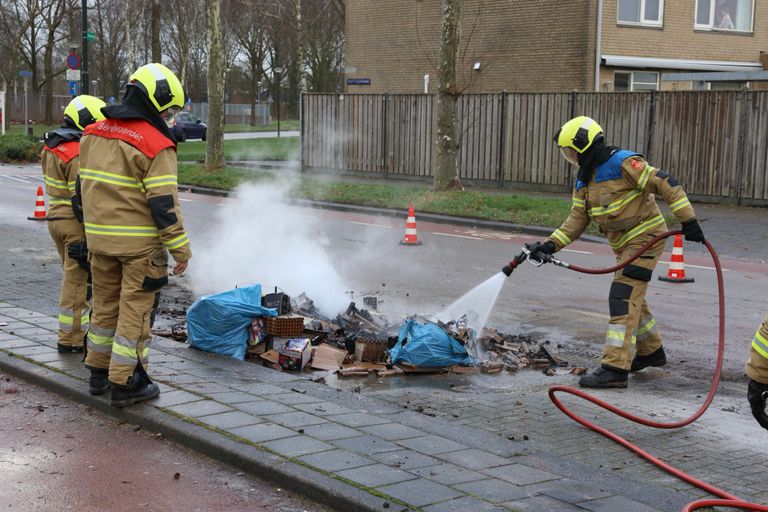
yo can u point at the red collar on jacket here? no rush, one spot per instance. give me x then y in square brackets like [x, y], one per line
[136, 132]
[66, 151]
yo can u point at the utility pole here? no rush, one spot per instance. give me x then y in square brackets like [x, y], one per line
[84, 79]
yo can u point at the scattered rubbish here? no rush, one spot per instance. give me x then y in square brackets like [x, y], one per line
[326, 357]
[294, 353]
[3, 324]
[427, 345]
[578, 371]
[271, 356]
[299, 391]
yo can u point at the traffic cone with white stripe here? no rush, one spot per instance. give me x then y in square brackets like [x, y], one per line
[676, 272]
[39, 206]
[411, 237]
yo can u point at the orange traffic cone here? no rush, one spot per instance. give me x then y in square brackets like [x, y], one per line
[411, 238]
[676, 272]
[39, 206]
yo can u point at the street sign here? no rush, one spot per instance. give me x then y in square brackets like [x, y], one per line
[73, 74]
[90, 36]
[111, 100]
[25, 74]
[358, 81]
[73, 87]
[73, 61]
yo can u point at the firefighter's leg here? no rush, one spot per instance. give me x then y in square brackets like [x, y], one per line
[626, 301]
[142, 279]
[107, 274]
[73, 306]
[757, 364]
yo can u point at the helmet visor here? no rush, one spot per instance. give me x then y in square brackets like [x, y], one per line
[570, 154]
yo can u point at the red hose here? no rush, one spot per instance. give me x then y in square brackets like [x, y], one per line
[728, 500]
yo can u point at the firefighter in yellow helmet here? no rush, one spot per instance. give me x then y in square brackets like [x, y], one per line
[757, 371]
[616, 188]
[60, 160]
[133, 220]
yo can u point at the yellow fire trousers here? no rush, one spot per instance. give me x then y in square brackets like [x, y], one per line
[631, 323]
[757, 364]
[73, 306]
[124, 293]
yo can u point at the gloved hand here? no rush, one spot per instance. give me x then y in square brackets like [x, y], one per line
[757, 394]
[692, 231]
[78, 251]
[539, 250]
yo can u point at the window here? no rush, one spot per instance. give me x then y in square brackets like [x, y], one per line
[633, 81]
[735, 15]
[641, 12]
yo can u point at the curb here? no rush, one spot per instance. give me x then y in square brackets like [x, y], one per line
[262, 464]
[392, 212]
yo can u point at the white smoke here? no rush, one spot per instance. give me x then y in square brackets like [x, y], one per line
[259, 238]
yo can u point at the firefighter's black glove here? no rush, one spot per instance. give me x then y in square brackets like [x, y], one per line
[692, 231]
[540, 251]
[757, 394]
[78, 251]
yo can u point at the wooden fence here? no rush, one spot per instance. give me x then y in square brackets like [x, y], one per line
[715, 143]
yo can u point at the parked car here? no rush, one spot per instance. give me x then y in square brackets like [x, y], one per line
[186, 126]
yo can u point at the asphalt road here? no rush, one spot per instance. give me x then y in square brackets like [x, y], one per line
[59, 455]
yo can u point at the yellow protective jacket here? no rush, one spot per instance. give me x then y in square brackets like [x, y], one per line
[60, 162]
[129, 190]
[620, 199]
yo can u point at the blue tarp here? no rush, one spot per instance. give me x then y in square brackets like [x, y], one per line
[219, 323]
[428, 346]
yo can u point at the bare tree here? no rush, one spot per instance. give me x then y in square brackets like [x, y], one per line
[53, 13]
[447, 163]
[110, 55]
[214, 155]
[247, 22]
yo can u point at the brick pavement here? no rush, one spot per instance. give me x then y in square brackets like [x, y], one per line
[371, 440]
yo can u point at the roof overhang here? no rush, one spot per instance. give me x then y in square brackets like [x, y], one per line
[721, 76]
[624, 61]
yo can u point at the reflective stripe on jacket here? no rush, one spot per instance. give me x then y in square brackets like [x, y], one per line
[59, 174]
[129, 190]
[620, 198]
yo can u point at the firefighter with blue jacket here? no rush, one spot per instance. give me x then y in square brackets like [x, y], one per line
[616, 189]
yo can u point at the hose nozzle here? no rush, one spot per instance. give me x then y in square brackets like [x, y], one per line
[512, 265]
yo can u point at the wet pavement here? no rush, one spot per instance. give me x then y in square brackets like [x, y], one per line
[57, 454]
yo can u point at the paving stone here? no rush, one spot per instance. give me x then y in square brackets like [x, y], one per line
[405, 459]
[375, 475]
[541, 504]
[294, 398]
[206, 388]
[568, 491]
[298, 445]
[493, 490]
[615, 503]
[464, 504]
[47, 357]
[520, 474]
[330, 431]
[295, 419]
[366, 445]
[14, 342]
[261, 389]
[175, 398]
[32, 350]
[179, 378]
[448, 474]
[263, 407]
[232, 419]
[393, 431]
[420, 492]
[29, 330]
[336, 460]
[431, 445]
[262, 432]
[359, 419]
[323, 408]
[233, 397]
[200, 408]
[474, 459]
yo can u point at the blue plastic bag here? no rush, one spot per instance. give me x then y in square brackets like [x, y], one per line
[218, 323]
[428, 346]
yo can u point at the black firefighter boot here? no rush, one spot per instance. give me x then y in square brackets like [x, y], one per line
[655, 358]
[138, 389]
[605, 377]
[98, 383]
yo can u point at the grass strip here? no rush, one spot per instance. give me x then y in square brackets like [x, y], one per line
[271, 148]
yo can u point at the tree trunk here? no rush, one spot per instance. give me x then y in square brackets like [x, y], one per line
[214, 155]
[447, 162]
[155, 29]
[48, 69]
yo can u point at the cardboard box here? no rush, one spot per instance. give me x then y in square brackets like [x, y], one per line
[294, 352]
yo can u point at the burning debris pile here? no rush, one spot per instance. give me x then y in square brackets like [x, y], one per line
[362, 341]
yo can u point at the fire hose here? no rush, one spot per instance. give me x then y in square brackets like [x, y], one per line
[726, 499]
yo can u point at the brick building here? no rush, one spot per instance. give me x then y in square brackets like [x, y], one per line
[551, 45]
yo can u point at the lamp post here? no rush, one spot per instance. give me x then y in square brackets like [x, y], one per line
[278, 70]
